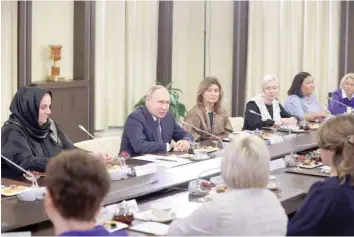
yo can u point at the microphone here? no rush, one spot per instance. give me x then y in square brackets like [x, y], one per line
[254, 112]
[200, 187]
[200, 130]
[108, 151]
[338, 102]
[34, 180]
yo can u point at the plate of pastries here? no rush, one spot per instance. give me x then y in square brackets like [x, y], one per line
[266, 136]
[13, 190]
[207, 149]
[113, 168]
[310, 160]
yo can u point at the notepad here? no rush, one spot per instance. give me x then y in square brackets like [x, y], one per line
[151, 228]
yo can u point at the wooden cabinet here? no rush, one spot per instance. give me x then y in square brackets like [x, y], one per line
[70, 106]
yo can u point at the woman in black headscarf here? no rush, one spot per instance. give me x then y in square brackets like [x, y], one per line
[30, 138]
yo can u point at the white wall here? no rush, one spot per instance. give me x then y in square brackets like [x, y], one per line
[8, 56]
[188, 47]
[52, 23]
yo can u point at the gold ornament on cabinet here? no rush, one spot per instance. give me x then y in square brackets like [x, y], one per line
[55, 55]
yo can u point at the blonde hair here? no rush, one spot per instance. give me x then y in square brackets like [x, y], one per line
[337, 135]
[268, 78]
[342, 81]
[246, 163]
[203, 86]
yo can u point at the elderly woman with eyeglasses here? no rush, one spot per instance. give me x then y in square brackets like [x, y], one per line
[268, 110]
[246, 207]
[344, 95]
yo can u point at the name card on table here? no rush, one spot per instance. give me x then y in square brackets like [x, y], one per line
[145, 169]
[276, 164]
[275, 139]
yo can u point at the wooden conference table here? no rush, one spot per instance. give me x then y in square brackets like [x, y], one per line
[169, 183]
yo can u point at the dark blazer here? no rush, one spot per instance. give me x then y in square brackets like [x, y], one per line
[140, 134]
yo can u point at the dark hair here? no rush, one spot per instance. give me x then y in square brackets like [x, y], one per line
[295, 88]
[77, 182]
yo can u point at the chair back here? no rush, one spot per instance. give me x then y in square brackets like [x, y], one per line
[237, 123]
[111, 143]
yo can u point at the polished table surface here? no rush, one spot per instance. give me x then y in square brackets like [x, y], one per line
[16, 213]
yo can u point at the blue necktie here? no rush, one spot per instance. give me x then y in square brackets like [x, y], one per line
[158, 130]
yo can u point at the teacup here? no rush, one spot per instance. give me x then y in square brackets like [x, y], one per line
[28, 196]
[200, 154]
[39, 192]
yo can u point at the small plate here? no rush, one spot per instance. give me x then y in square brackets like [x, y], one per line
[186, 156]
[272, 186]
[148, 216]
[310, 166]
[8, 192]
[112, 226]
[207, 149]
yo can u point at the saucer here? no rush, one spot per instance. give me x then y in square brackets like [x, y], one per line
[149, 216]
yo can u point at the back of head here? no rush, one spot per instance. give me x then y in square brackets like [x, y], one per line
[77, 182]
[337, 135]
[246, 163]
[295, 88]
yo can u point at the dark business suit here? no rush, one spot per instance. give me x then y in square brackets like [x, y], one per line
[140, 133]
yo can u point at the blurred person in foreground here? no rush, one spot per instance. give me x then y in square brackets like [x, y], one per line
[329, 205]
[77, 183]
[247, 207]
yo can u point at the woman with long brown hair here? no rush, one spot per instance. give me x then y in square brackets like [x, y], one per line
[208, 114]
[329, 206]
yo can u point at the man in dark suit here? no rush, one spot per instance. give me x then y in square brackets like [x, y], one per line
[151, 128]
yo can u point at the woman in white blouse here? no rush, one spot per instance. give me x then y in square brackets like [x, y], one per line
[247, 208]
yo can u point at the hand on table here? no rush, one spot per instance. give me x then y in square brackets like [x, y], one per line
[182, 145]
[289, 121]
[104, 155]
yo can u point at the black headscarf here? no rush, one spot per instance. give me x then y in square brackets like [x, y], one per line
[25, 110]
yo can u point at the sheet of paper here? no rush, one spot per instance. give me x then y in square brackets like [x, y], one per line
[164, 161]
[151, 228]
[145, 169]
[276, 164]
[22, 233]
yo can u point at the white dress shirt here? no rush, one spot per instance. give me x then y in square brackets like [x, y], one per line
[236, 212]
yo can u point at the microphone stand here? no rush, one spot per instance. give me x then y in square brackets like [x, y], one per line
[210, 134]
[115, 156]
[33, 179]
[351, 108]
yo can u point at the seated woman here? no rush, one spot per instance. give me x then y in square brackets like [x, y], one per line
[328, 208]
[267, 105]
[77, 183]
[29, 137]
[344, 95]
[247, 207]
[208, 114]
[301, 101]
